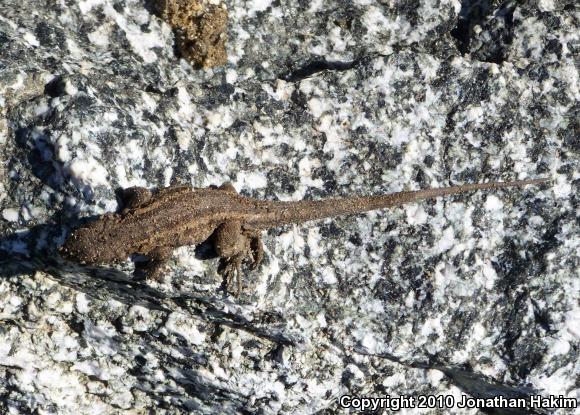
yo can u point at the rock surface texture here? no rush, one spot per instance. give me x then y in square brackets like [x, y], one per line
[469, 296]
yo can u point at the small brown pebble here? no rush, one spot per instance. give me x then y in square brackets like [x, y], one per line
[200, 29]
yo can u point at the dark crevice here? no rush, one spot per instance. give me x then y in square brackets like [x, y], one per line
[317, 66]
[472, 13]
[461, 34]
[56, 87]
[495, 19]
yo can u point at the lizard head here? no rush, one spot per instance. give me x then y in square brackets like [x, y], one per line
[89, 244]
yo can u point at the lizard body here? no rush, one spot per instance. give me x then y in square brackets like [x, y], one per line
[153, 224]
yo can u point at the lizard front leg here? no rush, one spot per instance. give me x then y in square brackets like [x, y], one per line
[233, 244]
[156, 262]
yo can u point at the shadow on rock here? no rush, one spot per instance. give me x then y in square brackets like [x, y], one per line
[105, 283]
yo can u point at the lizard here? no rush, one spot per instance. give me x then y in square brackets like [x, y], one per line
[154, 223]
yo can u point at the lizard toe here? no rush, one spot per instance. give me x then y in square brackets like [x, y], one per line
[231, 269]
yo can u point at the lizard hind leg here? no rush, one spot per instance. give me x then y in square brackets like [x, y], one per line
[233, 246]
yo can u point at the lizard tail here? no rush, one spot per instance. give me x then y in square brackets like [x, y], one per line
[280, 213]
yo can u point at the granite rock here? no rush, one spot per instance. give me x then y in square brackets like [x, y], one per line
[469, 296]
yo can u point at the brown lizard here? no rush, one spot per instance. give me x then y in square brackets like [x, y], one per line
[155, 223]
